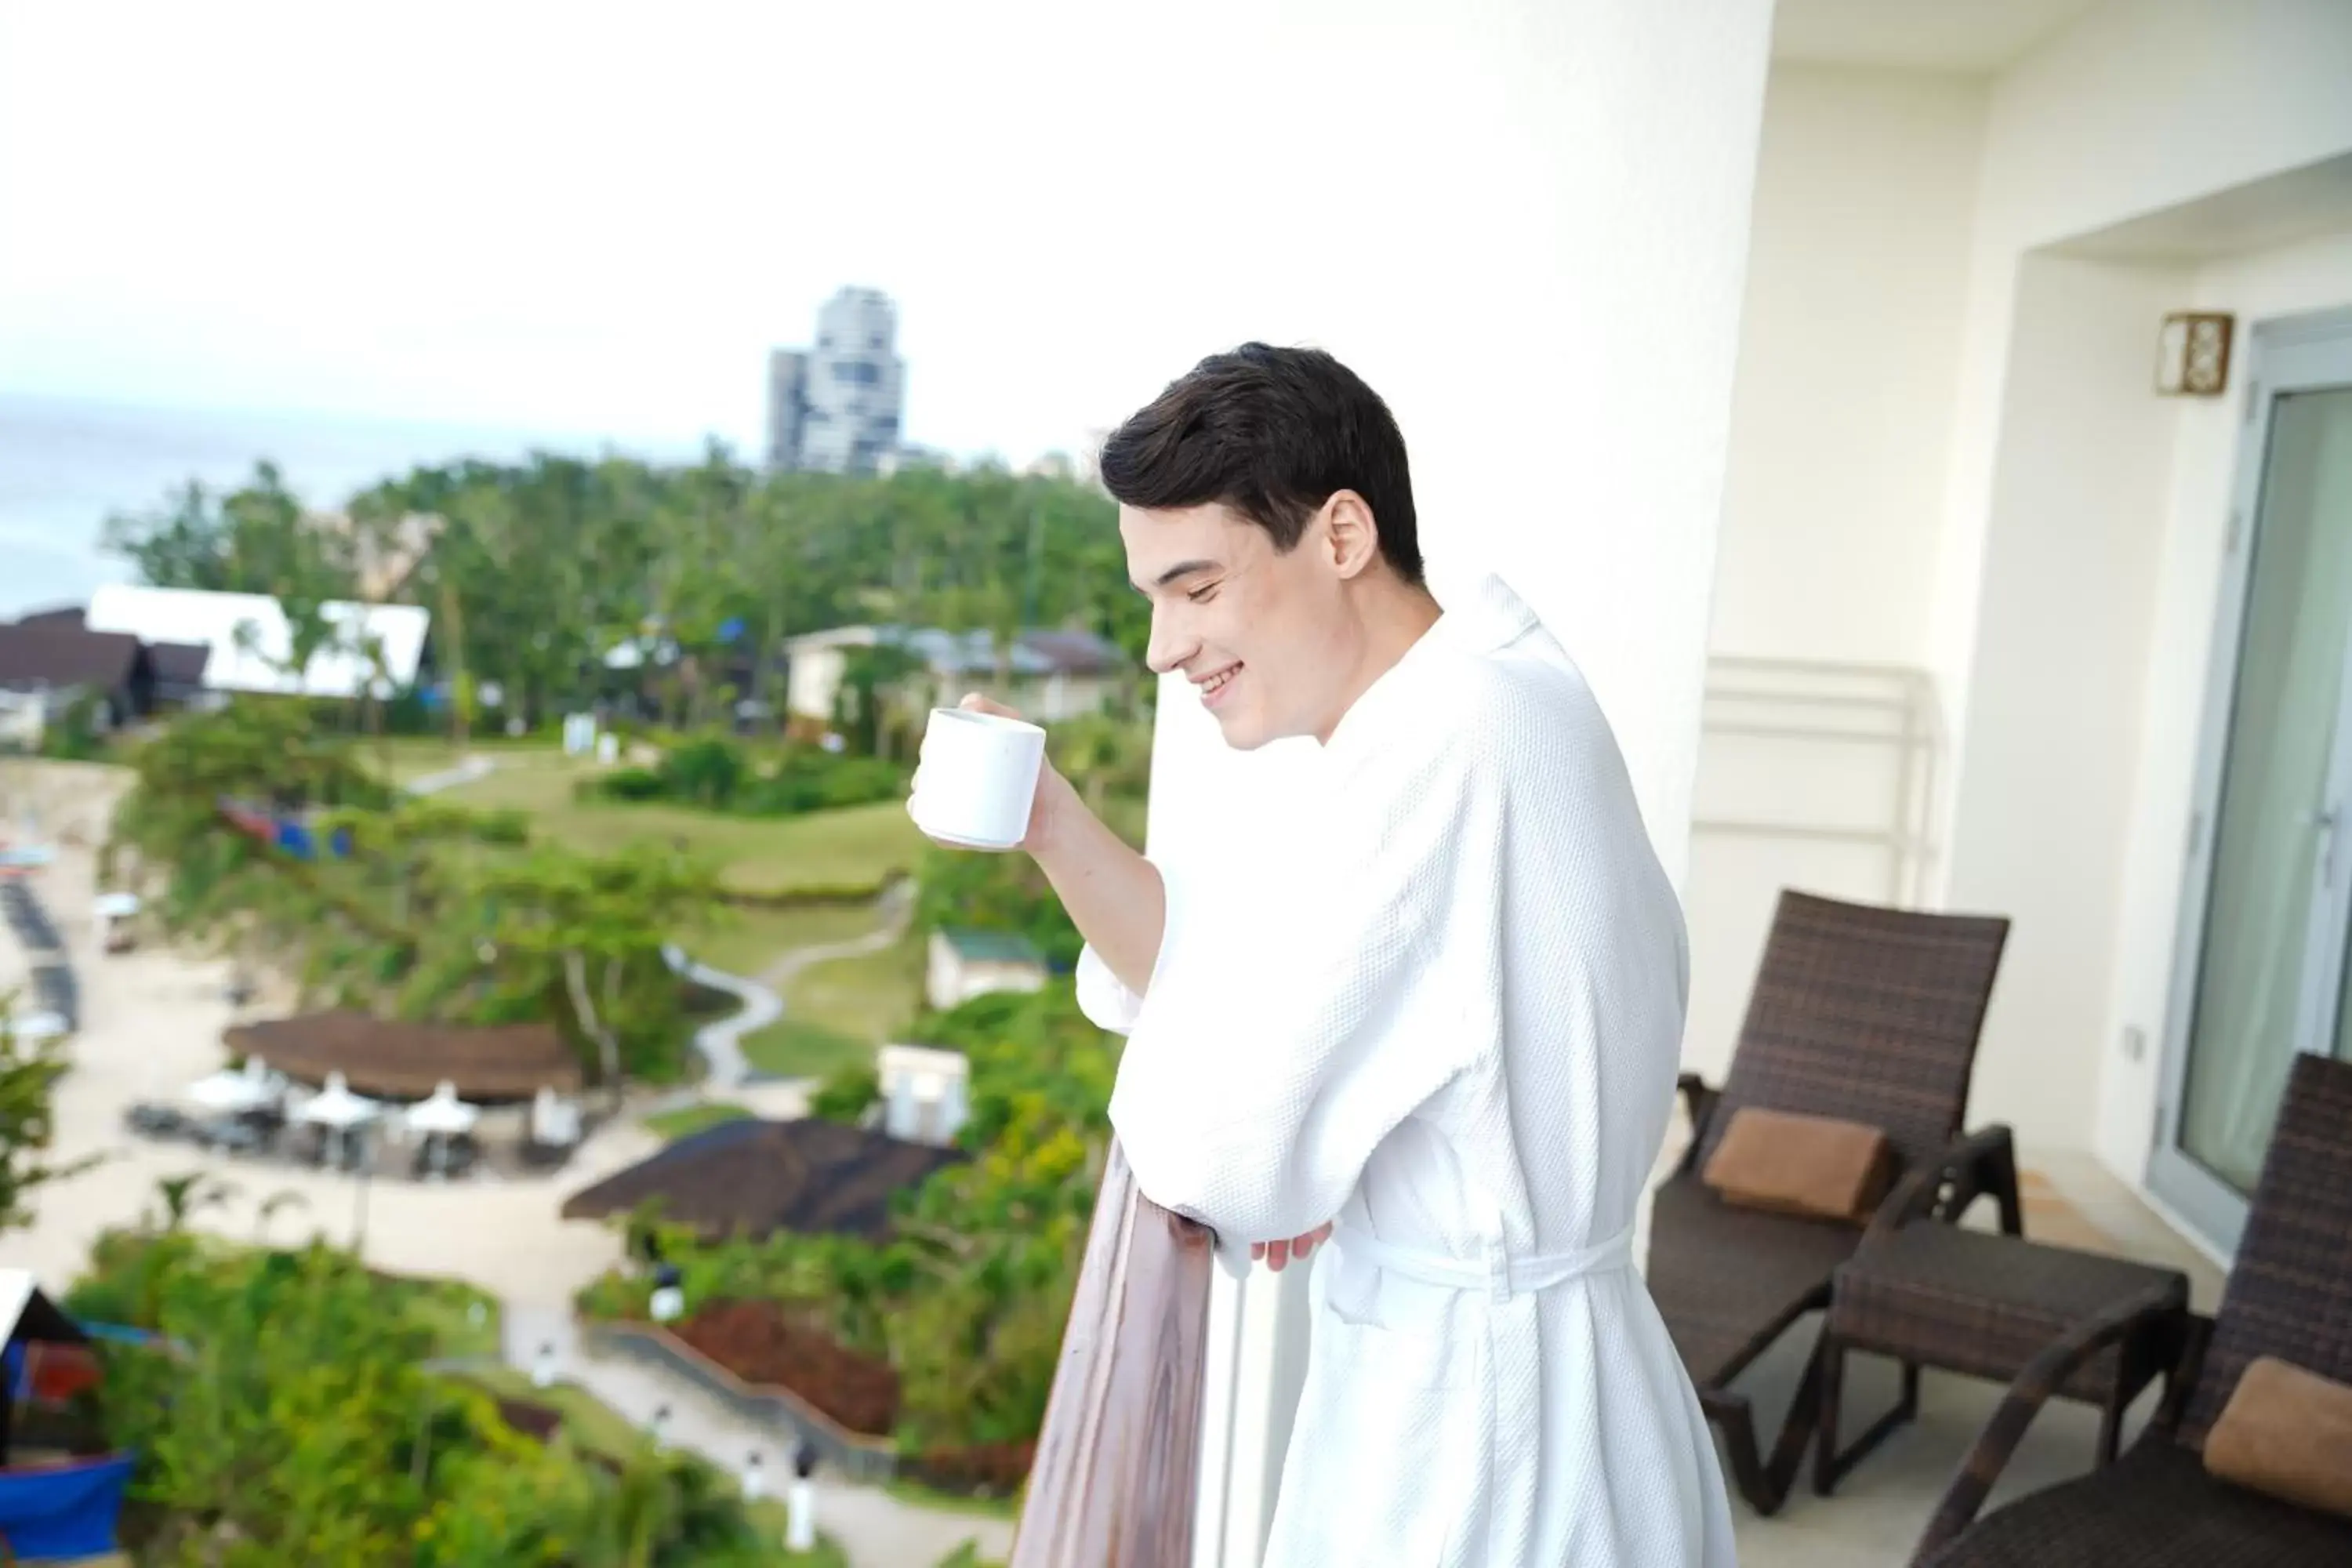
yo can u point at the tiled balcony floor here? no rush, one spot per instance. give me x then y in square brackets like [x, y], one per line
[1875, 1517]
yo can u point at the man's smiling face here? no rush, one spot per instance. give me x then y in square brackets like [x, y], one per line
[1253, 628]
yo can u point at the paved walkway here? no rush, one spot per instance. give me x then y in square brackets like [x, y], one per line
[875, 1528]
[475, 765]
[720, 1041]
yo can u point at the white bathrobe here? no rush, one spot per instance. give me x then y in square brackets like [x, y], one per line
[1445, 1010]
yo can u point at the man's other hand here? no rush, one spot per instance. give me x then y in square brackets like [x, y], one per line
[1279, 1254]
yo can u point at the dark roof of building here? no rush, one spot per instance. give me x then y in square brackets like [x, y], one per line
[394, 1060]
[992, 946]
[754, 1178]
[63, 616]
[1074, 653]
[181, 663]
[51, 653]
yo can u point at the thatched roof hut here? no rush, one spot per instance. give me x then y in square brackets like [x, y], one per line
[752, 1178]
[390, 1058]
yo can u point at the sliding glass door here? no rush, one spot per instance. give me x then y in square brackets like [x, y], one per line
[2267, 918]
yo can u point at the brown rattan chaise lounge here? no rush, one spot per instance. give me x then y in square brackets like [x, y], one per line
[1862, 1014]
[2289, 1296]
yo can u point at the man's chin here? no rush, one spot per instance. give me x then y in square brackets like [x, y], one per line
[1241, 734]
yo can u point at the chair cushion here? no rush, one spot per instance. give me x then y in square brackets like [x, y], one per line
[1812, 1165]
[2286, 1432]
[2153, 1507]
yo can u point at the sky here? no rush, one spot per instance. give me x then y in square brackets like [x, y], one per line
[598, 218]
[591, 222]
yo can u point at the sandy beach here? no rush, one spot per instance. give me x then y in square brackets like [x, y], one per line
[151, 1022]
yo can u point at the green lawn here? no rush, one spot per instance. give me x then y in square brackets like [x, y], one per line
[872, 997]
[687, 1120]
[746, 940]
[836, 1013]
[852, 847]
[792, 1047]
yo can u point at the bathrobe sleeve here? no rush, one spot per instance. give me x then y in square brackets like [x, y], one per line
[1305, 1006]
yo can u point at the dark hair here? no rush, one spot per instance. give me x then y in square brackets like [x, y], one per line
[1273, 433]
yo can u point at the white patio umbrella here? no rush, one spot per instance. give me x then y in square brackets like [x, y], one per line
[444, 1114]
[233, 1092]
[109, 908]
[336, 1109]
[440, 1119]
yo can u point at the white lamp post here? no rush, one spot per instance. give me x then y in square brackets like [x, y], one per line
[800, 1503]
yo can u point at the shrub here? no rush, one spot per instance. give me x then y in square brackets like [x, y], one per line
[718, 775]
[503, 824]
[625, 783]
[846, 1096]
[705, 772]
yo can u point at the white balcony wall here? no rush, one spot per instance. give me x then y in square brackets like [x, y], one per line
[2117, 156]
[2057, 583]
[2139, 106]
[1842, 420]
[1849, 362]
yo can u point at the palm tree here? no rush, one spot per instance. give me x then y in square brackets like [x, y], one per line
[183, 1197]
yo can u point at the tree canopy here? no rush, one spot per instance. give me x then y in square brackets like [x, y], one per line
[536, 570]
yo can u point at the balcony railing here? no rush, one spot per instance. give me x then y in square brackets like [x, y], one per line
[1115, 1475]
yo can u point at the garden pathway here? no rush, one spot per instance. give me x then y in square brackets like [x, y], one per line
[720, 1041]
[475, 765]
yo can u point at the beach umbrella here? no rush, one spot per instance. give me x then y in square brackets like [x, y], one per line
[231, 1091]
[337, 1107]
[440, 1119]
[340, 1111]
[444, 1115]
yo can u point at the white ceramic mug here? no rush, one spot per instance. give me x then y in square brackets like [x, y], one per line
[978, 778]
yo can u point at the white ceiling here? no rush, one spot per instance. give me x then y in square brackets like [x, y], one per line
[1972, 36]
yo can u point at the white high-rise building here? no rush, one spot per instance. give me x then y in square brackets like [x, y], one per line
[837, 407]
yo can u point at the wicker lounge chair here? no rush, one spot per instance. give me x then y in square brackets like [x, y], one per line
[1864, 1014]
[2289, 1296]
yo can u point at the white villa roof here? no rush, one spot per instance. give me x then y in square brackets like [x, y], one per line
[256, 663]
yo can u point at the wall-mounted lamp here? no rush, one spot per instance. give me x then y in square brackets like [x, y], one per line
[2192, 356]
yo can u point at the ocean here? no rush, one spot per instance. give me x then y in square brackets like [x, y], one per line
[66, 465]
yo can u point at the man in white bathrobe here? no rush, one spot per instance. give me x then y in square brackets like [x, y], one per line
[1436, 1018]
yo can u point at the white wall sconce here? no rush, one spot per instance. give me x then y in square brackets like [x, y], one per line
[2192, 357]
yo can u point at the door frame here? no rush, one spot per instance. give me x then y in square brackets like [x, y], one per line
[2310, 352]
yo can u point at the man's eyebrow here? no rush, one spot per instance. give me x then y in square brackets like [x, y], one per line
[1182, 569]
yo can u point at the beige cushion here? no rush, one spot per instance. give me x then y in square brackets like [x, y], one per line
[1813, 1165]
[2286, 1432]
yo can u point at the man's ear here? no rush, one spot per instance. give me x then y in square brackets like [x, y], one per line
[1350, 533]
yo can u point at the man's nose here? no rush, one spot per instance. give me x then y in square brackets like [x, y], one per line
[1170, 646]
